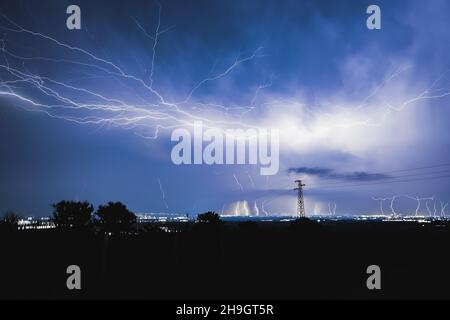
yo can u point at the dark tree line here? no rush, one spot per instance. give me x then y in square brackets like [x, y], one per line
[209, 217]
[72, 214]
[9, 222]
[113, 216]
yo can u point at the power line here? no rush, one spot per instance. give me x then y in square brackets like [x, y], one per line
[381, 182]
[394, 171]
[382, 178]
[420, 168]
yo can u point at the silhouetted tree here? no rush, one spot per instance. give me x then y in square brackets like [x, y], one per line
[9, 222]
[115, 216]
[209, 217]
[72, 214]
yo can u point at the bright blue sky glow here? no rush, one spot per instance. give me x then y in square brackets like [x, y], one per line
[355, 107]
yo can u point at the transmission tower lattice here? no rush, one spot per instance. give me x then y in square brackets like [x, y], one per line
[300, 200]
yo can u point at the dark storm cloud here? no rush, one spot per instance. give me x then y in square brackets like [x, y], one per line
[328, 173]
[321, 172]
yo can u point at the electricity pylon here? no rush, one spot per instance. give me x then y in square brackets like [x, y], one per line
[300, 200]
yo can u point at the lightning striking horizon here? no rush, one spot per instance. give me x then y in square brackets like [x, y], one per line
[392, 201]
[256, 209]
[381, 203]
[427, 206]
[263, 208]
[332, 211]
[443, 207]
[418, 199]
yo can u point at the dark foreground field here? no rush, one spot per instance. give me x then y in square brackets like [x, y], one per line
[232, 261]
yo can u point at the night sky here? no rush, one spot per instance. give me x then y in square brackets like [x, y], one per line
[361, 113]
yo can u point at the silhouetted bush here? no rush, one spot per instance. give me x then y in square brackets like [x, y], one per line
[9, 222]
[209, 217]
[72, 214]
[115, 216]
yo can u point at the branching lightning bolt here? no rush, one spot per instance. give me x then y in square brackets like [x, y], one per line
[392, 201]
[238, 183]
[163, 194]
